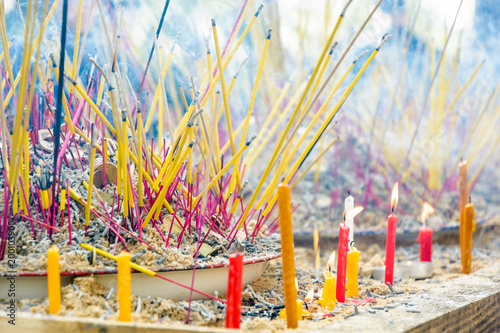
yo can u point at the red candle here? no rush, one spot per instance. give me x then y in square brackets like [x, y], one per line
[233, 310]
[425, 235]
[342, 251]
[390, 244]
[425, 240]
[342, 262]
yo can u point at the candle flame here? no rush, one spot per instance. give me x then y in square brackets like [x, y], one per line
[310, 296]
[331, 261]
[394, 197]
[351, 213]
[427, 210]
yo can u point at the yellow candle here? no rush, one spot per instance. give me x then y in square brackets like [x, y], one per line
[464, 197]
[352, 272]
[288, 256]
[316, 248]
[300, 311]
[124, 286]
[53, 280]
[468, 228]
[328, 299]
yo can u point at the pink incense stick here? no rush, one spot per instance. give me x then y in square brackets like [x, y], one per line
[5, 228]
[27, 203]
[39, 197]
[69, 213]
[36, 221]
[103, 157]
[171, 225]
[76, 119]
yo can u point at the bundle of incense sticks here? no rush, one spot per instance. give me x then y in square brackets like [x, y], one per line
[432, 111]
[188, 169]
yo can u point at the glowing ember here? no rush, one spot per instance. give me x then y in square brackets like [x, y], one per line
[394, 197]
[310, 296]
[426, 211]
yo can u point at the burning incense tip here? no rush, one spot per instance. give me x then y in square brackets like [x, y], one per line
[385, 39]
[360, 56]
[259, 9]
[345, 8]
[310, 296]
[333, 48]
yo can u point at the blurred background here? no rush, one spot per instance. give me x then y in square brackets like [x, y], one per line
[429, 99]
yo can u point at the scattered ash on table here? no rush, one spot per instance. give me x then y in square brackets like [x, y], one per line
[263, 299]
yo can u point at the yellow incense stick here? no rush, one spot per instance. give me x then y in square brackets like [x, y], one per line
[262, 140]
[100, 93]
[123, 163]
[224, 90]
[314, 120]
[164, 100]
[214, 109]
[155, 209]
[293, 118]
[92, 104]
[91, 176]
[250, 107]
[327, 122]
[21, 109]
[32, 50]
[158, 90]
[221, 173]
[318, 158]
[77, 40]
[114, 258]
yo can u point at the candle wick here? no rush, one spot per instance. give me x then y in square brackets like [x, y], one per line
[469, 199]
[349, 193]
[393, 209]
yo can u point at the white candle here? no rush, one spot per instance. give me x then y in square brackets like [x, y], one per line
[349, 221]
